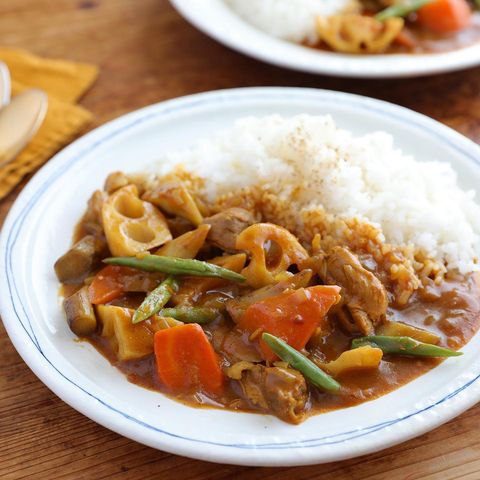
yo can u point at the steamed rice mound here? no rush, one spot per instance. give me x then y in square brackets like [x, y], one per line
[292, 20]
[313, 178]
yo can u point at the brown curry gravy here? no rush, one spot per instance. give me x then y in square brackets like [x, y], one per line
[451, 310]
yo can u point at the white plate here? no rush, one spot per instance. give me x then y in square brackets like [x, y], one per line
[217, 20]
[39, 227]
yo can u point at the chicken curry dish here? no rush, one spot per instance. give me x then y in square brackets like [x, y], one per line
[390, 26]
[367, 27]
[220, 305]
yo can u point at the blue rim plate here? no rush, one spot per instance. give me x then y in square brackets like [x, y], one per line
[38, 229]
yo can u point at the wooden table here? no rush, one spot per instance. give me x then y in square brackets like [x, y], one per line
[148, 53]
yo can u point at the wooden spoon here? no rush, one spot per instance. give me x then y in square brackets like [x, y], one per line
[5, 87]
[19, 121]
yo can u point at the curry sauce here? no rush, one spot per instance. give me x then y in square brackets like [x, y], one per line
[451, 310]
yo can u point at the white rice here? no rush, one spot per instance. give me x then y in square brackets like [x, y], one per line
[413, 202]
[292, 20]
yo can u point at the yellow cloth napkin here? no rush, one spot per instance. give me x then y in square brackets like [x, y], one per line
[64, 82]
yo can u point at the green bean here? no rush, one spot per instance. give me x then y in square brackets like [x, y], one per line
[301, 363]
[404, 346]
[190, 314]
[155, 300]
[401, 10]
[175, 266]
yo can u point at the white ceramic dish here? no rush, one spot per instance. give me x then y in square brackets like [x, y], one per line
[217, 20]
[38, 229]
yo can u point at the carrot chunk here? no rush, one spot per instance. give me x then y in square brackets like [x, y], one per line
[109, 283]
[445, 16]
[186, 360]
[292, 316]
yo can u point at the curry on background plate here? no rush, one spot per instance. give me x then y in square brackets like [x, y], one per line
[367, 26]
[307, 287]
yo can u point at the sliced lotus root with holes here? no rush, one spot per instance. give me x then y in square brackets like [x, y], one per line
[132, 225]
[273, 249]
[350, 33]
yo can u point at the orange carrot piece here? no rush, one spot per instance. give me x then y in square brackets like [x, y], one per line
[109, 283]
[186, 360]
[291, 316]
[445, 16]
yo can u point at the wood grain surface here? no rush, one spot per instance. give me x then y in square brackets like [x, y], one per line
[148, 53]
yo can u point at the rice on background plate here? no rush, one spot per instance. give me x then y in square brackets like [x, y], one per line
[305, 173]
[292, 20]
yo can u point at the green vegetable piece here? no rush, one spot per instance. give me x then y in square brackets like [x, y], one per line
[155, 300]
[404, 346]
[301, 363]
[190, 314]
[175, 266]
[401, 10]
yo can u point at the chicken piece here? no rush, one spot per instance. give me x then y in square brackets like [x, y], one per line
[279, 391]
[352, 33]
[363, 295]
[226, 225]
